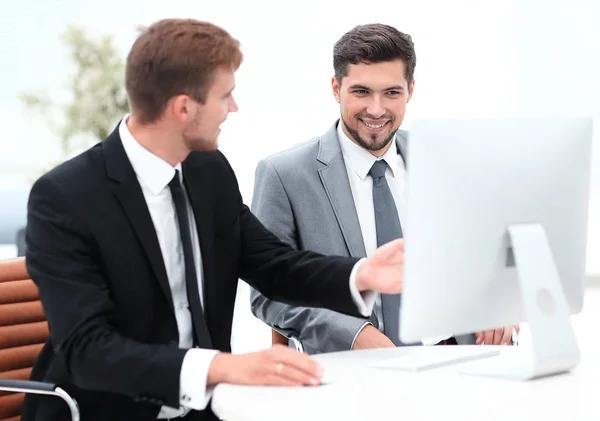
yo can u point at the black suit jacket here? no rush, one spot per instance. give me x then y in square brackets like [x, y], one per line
[94, 255]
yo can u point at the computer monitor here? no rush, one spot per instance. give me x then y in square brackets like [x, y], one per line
[495, 235]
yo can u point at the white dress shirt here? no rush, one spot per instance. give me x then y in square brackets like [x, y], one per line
[154, 176]
[358, 164]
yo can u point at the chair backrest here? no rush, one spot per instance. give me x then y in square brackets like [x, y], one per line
[23, 331]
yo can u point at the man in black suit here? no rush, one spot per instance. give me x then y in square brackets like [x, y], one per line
[137, 244]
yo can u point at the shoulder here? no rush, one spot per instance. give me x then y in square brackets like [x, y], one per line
[75, 174]
[213, 164]
[295, 160]
[402, 135]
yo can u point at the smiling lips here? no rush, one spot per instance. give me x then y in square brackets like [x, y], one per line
[374, 125]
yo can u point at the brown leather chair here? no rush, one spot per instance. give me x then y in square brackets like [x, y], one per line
[23, 332]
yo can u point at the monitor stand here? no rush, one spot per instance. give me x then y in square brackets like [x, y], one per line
[554, 346]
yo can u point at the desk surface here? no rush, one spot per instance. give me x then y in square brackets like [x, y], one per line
[359, 392]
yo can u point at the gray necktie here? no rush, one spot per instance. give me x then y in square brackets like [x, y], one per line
[387, 226]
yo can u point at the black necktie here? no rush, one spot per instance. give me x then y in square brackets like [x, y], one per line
[387, 226]
[201, 337]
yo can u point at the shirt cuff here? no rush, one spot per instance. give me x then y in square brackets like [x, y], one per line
[193, 390]
[364, 300]
[358, 333]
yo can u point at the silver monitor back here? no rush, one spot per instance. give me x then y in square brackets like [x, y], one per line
[469, 182]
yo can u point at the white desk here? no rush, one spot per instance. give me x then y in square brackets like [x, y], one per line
[359, 392]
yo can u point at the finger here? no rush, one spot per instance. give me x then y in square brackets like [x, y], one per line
[393, 283]
[488, 337]
[276, 380]
[394, 248]
[400, 250]
[400, 245]
[517, 329]
[291, 375]
[297, 360]
[507, 336]
[498, 333]
[479, 338]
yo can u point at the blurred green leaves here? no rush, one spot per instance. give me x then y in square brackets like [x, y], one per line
[94, 97]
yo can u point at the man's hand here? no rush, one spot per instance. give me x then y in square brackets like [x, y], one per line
[500, 336]
[276, 366]
[369, 337]
[383, 270]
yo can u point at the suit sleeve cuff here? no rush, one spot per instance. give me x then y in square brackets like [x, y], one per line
[358, 333]
[193, 390]
[364, 300]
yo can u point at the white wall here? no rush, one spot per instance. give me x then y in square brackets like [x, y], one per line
[557, 47]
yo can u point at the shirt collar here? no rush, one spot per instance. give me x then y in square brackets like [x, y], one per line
[360, 160]
[154, 172]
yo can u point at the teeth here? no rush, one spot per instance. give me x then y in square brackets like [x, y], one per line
[373, 126]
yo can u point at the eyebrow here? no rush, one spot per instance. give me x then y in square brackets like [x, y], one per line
[391, 88]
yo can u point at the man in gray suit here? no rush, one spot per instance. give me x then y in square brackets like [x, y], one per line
[343, 193]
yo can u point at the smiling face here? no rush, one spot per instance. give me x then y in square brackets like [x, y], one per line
[373, 98]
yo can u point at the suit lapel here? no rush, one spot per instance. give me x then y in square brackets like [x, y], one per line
[337, 187]
[402, 145]
[129, 194]
[200, 199]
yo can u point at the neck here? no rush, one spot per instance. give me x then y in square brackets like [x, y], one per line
[158, 140]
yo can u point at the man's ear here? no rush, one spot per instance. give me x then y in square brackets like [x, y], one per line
[180, 107]
[335, 87]
[411, 89]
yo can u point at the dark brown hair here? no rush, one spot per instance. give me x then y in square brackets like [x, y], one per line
[173, 57]
[373, 43]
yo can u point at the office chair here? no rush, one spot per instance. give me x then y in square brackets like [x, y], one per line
[23, 332]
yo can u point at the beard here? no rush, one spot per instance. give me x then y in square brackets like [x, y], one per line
[195, 140]
[374, 145]
[200, 143]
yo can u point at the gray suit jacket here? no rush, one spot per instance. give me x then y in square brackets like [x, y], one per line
[303, 196]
